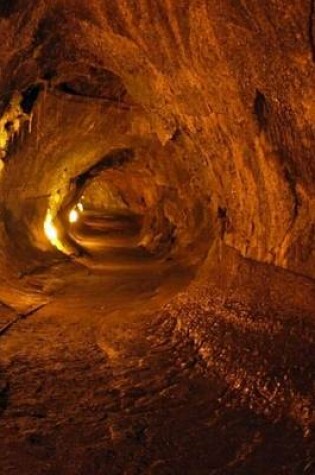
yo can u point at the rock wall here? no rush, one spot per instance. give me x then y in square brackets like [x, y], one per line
[218, 94]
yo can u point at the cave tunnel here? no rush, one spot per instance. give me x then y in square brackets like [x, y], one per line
[157, 249]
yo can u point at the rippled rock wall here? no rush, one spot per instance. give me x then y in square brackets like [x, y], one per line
[227, 87]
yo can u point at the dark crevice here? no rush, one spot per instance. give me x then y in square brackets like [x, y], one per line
[176, 135]
[222, 213]
[29, 97]
[21, 316]
[292, 184]
[70, 90]
[98, 84]
[4, 396]
[67, 88]
[225, 224]
[8, 126]
[261, 110]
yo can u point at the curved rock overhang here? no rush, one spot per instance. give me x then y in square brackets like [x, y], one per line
[226, 92]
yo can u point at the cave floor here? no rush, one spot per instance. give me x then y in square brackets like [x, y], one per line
[98, 381]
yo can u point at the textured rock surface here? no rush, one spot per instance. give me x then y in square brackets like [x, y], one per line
[198, 116]
[230, 84]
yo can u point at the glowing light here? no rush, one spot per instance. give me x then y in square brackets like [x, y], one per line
[52, 232]
[49, 228]
[73, 216]
[80, 207]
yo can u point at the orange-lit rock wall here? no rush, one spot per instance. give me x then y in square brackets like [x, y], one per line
[226, 88]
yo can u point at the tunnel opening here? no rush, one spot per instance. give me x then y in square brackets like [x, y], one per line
[107, 212]
[90, 212]
[163, 218]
